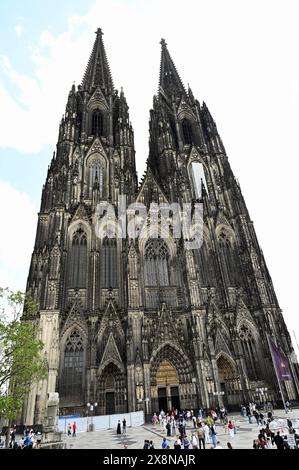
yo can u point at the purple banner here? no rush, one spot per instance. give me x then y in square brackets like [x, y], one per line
[281, 362]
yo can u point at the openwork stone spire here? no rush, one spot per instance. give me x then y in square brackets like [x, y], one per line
[169, 82]
[97, 72]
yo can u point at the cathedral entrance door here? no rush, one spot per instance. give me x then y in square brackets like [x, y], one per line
[175, 398]
[162, 399]
[110, 403]
[168, 387]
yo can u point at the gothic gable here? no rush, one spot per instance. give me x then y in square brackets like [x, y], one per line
[98, 100]
[165, 330]
[110, 322]
[96, 147]
[75, 317]
[221, 221]
[242, 313]
[150, 186]
[111, 353]
[221, 344]
[184, 109]
[80, 213]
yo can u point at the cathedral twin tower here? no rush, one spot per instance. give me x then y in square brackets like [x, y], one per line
[146, 323]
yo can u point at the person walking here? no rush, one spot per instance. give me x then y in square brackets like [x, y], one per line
[74, 429]
[164, 443]
[21, 443]
[173, 427]
[207, 434]
[177, 443]
[249, 415]
[28, 441]
[201, 436]
[69, 429]
[118, 428]
[214, 435]
[194, 441]
[231, 430]
[194, 421]
[124, 426]
[278, 441]
[168, 429]
[186, 442]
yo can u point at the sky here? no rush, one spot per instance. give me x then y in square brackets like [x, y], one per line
[240, 57]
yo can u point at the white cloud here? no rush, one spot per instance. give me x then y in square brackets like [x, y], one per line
[18, 216]
[19, 30]
[237, 56]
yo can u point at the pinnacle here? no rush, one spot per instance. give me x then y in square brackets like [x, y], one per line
[97, 72]
[170, 82]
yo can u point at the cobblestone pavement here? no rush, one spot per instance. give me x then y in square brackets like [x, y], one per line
[134, 438]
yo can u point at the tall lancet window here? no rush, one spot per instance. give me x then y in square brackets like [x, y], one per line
[198, 177]
[204, 265]
[71, 386]
[156, 263]
[249, 351]
[97, 124]
[229, 261]
[108, 264]
[78, 260]
[187, 131]
[95, 175]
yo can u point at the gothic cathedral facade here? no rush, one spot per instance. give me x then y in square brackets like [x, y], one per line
[145, 323]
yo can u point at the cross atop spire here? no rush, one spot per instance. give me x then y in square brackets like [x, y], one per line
[163, 43]
[97, 72]
[169, 82]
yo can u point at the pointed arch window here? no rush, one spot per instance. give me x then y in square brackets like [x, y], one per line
[173, 130]
[156, 263]
[205, 265]
[78, 260]
[229, 260]
[73, 368]
[97, 123]
[108, 264]
[95, 175]
[187, 131]
[249, 352]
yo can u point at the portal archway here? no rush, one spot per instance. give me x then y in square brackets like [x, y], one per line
[112, 397]
[168, 386]
[172, 380]
[229, 380]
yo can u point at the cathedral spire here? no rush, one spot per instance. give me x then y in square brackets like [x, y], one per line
[169, 82]
[97, 72]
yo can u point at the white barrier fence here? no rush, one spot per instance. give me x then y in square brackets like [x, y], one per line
[133, 419]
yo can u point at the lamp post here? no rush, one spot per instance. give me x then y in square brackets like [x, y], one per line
[261, 392]
[91, 408]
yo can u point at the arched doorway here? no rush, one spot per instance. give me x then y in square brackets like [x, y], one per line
[110, 395]
[171, 376]
[112, 392]
[168, 386]
[229, 381]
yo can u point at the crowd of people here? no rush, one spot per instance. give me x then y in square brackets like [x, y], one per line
[205, 425]
[203, 428]
[267, 439]
[31, 439]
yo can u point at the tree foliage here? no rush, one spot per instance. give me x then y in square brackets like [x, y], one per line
[21, 359]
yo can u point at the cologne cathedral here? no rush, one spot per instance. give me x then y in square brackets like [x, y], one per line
[144, 323]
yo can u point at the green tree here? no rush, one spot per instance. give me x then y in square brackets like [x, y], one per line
[21, 359]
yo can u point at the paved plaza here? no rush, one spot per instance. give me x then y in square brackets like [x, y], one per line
[134, 438]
